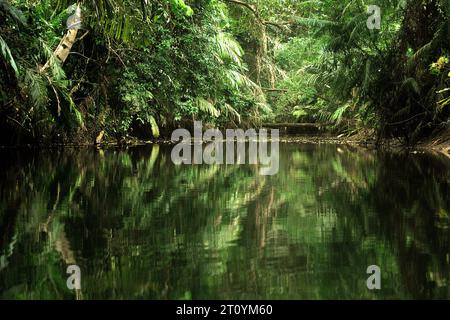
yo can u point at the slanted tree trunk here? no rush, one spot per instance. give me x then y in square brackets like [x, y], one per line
[65, 46]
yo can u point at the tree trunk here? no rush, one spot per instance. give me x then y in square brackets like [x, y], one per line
[65, 46]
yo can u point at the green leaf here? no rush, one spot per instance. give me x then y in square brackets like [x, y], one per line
[6, 53]
[155, 128]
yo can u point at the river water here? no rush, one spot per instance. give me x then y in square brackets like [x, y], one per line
[140, 227]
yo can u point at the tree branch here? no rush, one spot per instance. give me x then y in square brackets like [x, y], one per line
[274, 90]
[255, 11]
[247, 5]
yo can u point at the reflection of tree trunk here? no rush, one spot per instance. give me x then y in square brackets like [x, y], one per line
[63, 247]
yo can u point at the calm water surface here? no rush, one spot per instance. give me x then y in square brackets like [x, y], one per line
[140, 227]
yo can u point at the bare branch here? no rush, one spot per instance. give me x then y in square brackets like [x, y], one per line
[255, 11]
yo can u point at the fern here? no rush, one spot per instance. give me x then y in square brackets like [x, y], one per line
[228, 49]
[299, 113]
[412, 84]
[72, 112]
[207, 107]
[233, 111]
[338, 115]
[419, 56]
[55, 66]
[36, 87]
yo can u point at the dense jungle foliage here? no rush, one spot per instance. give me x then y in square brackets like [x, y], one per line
[142, 68]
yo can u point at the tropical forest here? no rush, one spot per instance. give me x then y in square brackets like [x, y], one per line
[355, 94]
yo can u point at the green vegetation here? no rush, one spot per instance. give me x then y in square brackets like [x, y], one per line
[140, 227]
[142, 68]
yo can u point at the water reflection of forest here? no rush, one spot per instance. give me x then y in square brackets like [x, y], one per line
[140, 227]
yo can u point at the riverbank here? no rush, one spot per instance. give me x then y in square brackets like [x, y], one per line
[439, 143]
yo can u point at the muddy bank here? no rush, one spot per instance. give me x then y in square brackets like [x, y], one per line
[439, 143]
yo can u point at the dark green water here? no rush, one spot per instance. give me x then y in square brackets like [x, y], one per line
[140, 227]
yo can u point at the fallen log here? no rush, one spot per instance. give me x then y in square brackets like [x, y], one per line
[295, 128]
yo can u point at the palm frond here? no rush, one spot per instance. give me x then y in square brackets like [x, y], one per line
[228, 49]
[207, 107]
[7, 55]
[36, 88]
[337, 116]
[411, 83]
[154, 126]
